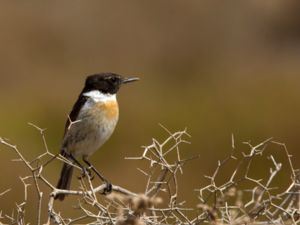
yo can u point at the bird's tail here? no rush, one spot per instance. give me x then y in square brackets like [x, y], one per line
[64, 180]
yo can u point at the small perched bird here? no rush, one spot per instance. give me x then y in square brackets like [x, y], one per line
[91, 122]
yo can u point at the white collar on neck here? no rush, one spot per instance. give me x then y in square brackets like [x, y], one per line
[98, 96]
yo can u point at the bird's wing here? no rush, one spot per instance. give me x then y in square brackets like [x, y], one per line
[75, 111]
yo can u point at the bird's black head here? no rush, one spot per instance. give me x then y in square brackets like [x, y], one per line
[107, 83]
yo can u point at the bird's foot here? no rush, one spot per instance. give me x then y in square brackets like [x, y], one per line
[108, 188]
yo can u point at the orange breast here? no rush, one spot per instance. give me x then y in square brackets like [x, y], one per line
[109, 109]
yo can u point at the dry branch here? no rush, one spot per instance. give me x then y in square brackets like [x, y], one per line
[243, 198]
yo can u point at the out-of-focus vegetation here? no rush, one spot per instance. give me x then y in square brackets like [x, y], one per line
[216, 68]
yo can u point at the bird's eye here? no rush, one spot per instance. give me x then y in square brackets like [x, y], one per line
[113, 79]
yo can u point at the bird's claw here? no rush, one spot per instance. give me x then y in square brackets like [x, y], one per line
[108, 188]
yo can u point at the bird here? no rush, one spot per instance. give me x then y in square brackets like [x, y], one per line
[91, 122]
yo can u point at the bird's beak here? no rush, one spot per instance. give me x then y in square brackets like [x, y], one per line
[129, 79]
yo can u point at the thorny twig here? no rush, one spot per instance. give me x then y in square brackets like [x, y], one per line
[243, 198]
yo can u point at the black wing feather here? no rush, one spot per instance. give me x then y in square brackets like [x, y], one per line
[75, 110]
[67, 170]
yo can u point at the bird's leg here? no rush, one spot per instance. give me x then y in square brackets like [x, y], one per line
[93, 168]
[85, 171]
[108, 188]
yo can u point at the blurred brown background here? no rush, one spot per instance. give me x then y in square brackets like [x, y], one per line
[216, 68]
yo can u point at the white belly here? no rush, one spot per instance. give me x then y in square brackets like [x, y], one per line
[97, 121]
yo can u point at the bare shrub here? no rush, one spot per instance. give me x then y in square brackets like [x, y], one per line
[237, 196]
